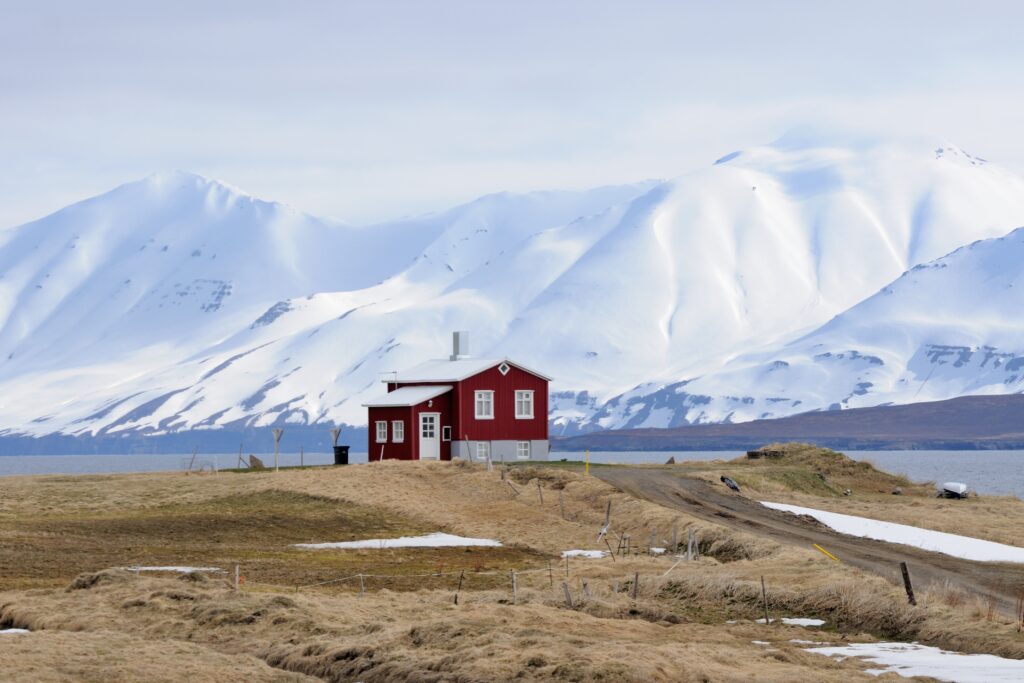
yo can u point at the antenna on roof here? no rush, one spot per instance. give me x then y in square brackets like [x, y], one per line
[460, 345]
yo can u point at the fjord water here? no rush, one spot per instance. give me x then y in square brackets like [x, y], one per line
[988, 472]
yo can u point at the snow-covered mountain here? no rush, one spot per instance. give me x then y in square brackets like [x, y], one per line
[948, 328]
[177, 303]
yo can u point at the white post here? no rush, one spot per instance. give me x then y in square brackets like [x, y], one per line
[277, 441]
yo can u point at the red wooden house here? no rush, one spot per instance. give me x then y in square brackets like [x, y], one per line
[462, 407]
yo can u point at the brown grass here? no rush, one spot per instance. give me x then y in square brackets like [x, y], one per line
[406, 627]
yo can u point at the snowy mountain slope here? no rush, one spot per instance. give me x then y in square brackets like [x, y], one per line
[117, 305]
[624, 295]
[948, 328]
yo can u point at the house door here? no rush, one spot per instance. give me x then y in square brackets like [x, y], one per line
[430, 440]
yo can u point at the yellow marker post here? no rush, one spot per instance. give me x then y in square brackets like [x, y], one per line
[587, 468]
[825, 552]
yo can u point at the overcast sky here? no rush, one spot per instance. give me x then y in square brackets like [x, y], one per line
[363, 111]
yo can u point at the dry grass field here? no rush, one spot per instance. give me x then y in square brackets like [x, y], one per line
[63, 538]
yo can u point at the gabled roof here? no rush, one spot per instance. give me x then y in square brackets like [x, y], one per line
[407, 396]
[443, 370]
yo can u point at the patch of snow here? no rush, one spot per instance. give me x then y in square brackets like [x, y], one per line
[760, 642]
[936, 541]
[912, 659]
[181, 570]
[658, 551]
[807, 642]
[594, 554]
[797, 621]
[13, 630]
[436, 540]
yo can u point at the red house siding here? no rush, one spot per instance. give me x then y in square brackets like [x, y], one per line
[504, 426]
[457, 410]
[410, 415]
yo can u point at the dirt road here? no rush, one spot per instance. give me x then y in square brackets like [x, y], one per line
[717, 504]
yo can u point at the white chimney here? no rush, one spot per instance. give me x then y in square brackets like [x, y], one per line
[460, 345]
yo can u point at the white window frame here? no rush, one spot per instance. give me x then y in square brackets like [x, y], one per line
[487, 396]
[382, 431]
[483, 450]
[524, 449]
[446, 433]
[398, 431]
[527, 394]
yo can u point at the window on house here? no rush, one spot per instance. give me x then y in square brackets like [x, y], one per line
[524, 404]
[484, 405]
[504, 368]
[397, 431]
[382, 431]
[446, 433]
[483, 450]
[523, 450]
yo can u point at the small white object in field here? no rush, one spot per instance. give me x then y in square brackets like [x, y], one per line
[657, 551]
[593, 554]
[760, 642]
[912, 659]
[797, 621]
[13, 630]
[181, 570]
[936, 541]
[436, 540]
[806, 642]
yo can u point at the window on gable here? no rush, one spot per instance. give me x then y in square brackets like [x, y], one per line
[397, 431]
[504, 368]
[524, 404]
[484, 405]
[382, 431]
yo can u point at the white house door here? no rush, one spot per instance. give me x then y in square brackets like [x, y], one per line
[430, 439]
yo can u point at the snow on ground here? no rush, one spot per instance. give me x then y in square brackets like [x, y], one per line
[594, 554]
[436, 540]
[13, 630]
[911, 659]
[797, 621]
[182, 570]
[937, 541]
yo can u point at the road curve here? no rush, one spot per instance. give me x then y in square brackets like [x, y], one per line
[999, 581]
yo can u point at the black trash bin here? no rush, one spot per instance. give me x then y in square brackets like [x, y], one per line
[341, 455]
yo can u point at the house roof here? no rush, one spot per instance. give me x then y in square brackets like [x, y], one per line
[408, 396]
[444, 370]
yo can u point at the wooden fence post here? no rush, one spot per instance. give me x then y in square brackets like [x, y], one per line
[362, 585]
[540, 492]
[462, 575]
[561, 503]
[675, 545]
[513, 586]
[906, 583]
[650, 543]
[551, 575]
[586, 590]
[764, 596]
[568, 595]
[236, 576]
[610, 551]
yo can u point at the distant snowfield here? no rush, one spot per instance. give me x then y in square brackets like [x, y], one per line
[179, 569]
[592, 554]
[797, 621]
[937, 541]
[437, 540]
[912, 659]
